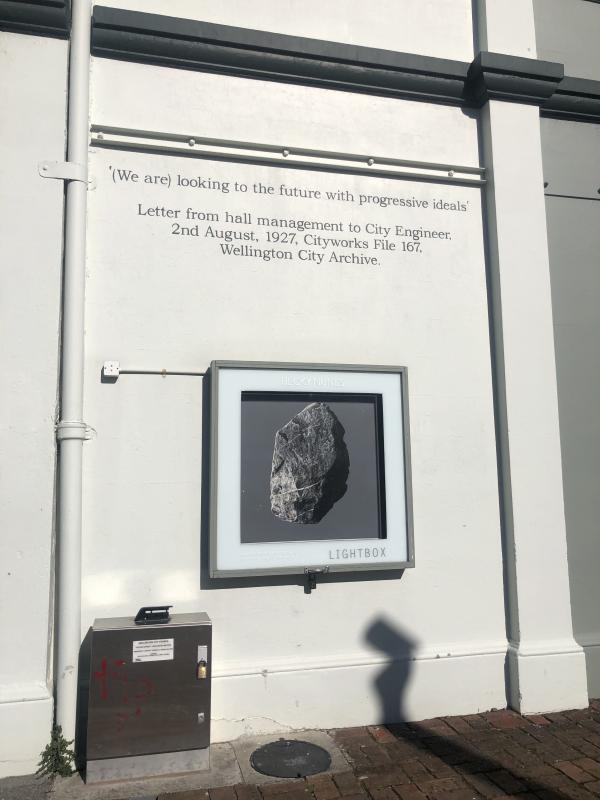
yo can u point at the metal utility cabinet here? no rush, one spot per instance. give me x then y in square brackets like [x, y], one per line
[149, 699]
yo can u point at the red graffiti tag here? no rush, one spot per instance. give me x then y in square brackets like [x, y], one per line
[113, 679]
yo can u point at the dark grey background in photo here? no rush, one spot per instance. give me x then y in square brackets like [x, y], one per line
[359, 514]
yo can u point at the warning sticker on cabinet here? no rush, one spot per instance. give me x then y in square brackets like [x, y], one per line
[153, 650]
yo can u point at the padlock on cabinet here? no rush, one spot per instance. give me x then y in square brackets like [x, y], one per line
[201, 670]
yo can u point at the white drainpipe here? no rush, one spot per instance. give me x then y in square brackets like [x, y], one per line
[71, 430]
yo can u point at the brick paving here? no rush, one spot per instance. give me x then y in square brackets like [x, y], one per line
[493, 756]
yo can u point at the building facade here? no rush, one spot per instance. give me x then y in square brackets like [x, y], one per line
[455, 144]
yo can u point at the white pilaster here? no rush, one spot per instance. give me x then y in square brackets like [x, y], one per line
[506, 26]
[546, 666]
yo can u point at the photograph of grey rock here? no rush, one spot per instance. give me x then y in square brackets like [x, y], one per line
[311, 467]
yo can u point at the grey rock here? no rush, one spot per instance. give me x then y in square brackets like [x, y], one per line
[310, 465]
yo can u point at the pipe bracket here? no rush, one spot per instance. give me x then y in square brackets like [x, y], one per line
[111, 370]
[69, 429]
[63, 171]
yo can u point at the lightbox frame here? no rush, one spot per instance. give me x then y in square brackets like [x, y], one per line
[301, 569]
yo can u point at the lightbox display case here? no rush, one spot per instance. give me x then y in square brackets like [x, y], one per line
[310, 469]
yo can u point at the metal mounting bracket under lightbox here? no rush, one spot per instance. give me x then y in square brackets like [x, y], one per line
[310, 469]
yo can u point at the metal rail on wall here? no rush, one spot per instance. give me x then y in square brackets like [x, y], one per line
[111, 370]
[192, 146]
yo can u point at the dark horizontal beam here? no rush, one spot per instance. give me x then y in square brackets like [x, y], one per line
[38, 17]
[575, 98]
[493, 76]
[191, 44]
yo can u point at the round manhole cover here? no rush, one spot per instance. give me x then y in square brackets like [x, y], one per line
[290, 758]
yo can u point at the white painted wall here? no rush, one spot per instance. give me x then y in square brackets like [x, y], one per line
[506, 26]
[32, 98]
[284, 659]
[442, 28]
[547, 666]
[198, 104]
[574, 239]
[568, 31]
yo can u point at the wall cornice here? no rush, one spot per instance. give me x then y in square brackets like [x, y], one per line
[191, 44]
[494, 76]
[574, 98]
[38, 17]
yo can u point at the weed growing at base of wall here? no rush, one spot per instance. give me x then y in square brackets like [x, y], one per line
[57, 757]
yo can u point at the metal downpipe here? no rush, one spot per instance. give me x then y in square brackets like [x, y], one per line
[71, 428]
